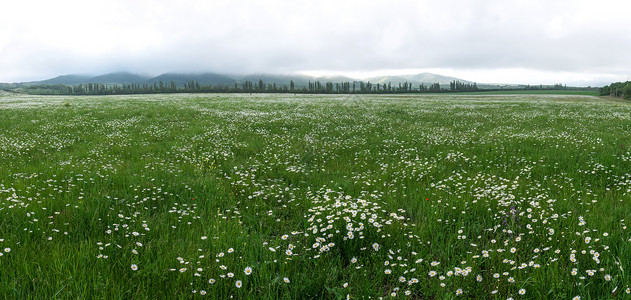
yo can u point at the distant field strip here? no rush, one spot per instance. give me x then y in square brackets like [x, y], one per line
[315, 196]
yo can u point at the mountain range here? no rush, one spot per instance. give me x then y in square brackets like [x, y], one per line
[205, 79]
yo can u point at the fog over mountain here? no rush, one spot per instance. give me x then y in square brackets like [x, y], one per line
[206, 79]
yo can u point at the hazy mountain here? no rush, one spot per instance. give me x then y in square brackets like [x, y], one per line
[394, 80]
[203, 79]
[335, 79]
[66, 79]
[111, 78]
[118, 78]
[299, 80]
[280, 80]
[424, 78]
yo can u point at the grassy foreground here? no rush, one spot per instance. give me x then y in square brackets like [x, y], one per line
[315, 196]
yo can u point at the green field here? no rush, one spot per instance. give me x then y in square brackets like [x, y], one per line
[315, 196]
[533, 92]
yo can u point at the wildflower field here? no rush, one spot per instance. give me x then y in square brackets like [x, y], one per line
[315, 196]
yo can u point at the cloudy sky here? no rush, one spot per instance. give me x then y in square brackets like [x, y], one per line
[492, 41]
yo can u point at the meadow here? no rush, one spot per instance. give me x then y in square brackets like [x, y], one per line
[315, 196]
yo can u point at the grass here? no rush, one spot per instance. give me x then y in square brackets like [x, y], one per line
[534, 92]
[315, 196]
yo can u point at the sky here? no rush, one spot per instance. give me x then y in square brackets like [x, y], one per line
[487, 41]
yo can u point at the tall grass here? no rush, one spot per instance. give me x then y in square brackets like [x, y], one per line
[314, 196]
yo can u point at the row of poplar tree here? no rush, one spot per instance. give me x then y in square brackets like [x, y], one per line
[312, 87]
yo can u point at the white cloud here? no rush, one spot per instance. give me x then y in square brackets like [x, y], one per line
[568, 39]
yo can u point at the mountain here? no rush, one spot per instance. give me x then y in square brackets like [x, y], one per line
[66, 79]
[203, 79]
[129, 78]
[280, 80]
[118, 78]
[394, 80]
[424, 78]
[335, 79]
[111, 78]
[284, 80]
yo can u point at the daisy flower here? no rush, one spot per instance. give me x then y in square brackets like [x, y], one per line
[375, 246]
[134, 267]
[247, 271]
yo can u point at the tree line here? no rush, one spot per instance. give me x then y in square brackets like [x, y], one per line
[617, 89]
[312, 87]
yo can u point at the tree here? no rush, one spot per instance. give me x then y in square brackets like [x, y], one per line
[434, 88]
[261, 85]
[626, 91]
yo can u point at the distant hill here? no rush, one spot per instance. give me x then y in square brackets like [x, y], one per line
[111, 78]
[118, 78]
[280, 80]
[424, 78]
[300, 81]
[203, 79]
[335, 79]
[65, 79]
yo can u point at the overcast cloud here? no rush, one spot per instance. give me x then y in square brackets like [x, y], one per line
[529, 41]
